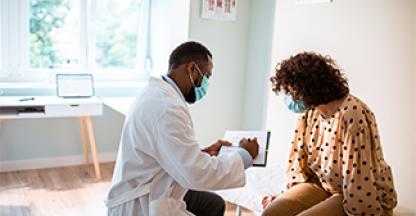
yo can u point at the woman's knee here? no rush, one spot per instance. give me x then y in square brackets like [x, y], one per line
[270, 212]
[295, 200]
[282, 207]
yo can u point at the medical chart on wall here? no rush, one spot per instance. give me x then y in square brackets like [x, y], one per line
[223, 10]
[263, 139]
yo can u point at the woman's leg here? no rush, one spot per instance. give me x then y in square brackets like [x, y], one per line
[298, 198]
[329, 207]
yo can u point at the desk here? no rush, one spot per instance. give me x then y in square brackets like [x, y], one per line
[119, 104]
[53, 107]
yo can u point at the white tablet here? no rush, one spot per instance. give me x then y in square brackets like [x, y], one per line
[74, 85]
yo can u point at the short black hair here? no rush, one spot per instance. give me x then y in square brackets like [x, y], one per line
[187, 52]
[315, 78]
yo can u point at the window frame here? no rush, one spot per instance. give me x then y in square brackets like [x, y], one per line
[4, 63]
[114, 74]
[15, 67]
[1, 37]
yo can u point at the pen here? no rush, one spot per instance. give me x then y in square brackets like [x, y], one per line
[27, 99]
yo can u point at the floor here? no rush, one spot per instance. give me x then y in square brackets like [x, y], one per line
[59, 191]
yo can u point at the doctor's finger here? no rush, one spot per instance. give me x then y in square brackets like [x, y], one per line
[224, 142]
[264, 199]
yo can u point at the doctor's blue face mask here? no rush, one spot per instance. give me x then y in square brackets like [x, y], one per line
[200, 91]
[296, 106]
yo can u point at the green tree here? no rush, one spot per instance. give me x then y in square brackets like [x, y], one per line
[45, 16]
[116, 33]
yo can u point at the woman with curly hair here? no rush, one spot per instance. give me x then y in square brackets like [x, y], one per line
[336, 163]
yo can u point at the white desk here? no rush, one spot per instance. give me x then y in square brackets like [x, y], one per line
[119, 104]
[54, 107]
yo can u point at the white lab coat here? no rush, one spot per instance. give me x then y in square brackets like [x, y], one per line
[159, 158]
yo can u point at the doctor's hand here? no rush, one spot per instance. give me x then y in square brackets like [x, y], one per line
[214, 148]
[251, 146]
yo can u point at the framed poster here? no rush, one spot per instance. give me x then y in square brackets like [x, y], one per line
[223, 10]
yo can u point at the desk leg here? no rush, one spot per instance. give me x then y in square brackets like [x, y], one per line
[84, 140]
[91, 136]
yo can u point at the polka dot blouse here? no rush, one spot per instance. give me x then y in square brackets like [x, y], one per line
[344, 153]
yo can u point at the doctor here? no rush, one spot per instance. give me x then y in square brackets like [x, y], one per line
[160, 168]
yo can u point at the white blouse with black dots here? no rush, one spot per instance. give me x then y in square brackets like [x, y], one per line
[344, 153]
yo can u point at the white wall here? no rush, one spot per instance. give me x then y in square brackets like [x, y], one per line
[374, 41]
[221, 109]
[258, 64]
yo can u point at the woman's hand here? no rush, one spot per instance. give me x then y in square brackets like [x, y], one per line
[267, 200]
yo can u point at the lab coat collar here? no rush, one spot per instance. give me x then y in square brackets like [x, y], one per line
[172, 83]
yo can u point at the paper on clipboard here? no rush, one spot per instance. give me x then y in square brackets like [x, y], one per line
[263, 138]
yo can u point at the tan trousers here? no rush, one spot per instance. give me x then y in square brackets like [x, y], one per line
[308, 199]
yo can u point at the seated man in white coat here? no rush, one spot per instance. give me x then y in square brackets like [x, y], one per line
[160, 168]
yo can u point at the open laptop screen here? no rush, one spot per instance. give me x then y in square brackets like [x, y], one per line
[74, 85]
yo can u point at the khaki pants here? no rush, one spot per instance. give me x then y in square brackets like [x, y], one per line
[306, 199]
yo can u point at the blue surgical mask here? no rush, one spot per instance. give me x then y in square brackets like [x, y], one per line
[201, 91]
[296, 106]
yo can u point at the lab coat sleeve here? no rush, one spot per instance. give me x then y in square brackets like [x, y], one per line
[179, 154]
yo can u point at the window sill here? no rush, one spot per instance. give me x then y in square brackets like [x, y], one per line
[24, 85]
[44, 88]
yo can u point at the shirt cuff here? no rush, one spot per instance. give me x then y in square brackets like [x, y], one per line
[247, 159]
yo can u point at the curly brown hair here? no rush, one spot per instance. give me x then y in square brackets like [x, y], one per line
[315, 78]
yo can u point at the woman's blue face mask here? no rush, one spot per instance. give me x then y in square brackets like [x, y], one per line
[296, 106]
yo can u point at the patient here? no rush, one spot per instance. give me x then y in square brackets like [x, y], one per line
[336, 163]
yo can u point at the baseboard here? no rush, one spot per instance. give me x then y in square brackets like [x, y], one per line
[72, 160]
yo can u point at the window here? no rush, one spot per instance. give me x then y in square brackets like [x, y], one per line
[1, 38]
[115, 40]
[116, 31]
[105, 37]
[54, 39]
[3, 35]
[120, 38]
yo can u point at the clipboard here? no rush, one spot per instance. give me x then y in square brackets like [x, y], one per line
[263, 139]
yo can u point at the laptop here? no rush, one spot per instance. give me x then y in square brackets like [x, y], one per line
[74, 85]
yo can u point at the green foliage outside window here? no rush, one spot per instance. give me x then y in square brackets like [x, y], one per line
[45, 16]
[116, 33]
